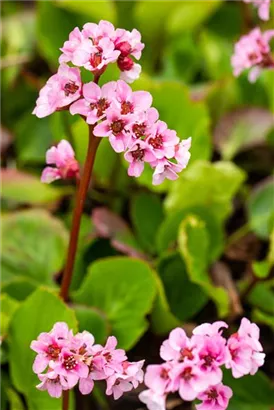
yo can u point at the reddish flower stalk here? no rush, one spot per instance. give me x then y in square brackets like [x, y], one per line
[77, 213]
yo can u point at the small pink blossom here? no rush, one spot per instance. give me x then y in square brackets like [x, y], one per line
[143, 123]
[60, 91]
[102, 54]
[116, 127]
[66, 166]
[163, 140]
[77, 49]
[130, 71]
[129, 43]
[153, 400]
[263, 7]
[210, 329]
[107, 359]
[252, 51]
[53, 383]
[158, 379]
[98, 31]
[215, 398]
[239, 355]
[188, 380]
[165, 169]
[86, 384]
[95, 102]
[130, 102]
[139, 153]
[182, 154]
[178, 347]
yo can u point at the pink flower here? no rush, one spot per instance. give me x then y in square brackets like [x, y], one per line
[178, 347]
[60, 91]
[251, 333]
[139, 153]
[95, 102]
[182, 154]
[165, 169]
[49, 346]
[70, 366]
[77, 49]
[116, 127]
[158, 379]
[52, 383]
[212, 355]
[253, 51]
[153, 400]
[102, 54]
[210, 329]
[130, 102]
[263, 7]
[189, 380]
[117, 386]
[107, 360]
[130, 71]
[163, 140]
[143, 122]
[239, 355]
[97, 31]
[215, 398]
[63, 158]
[86, 384]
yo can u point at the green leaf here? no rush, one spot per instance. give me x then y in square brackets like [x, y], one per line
[24, 188]
[193, 244]
[19, 288]
[124, 289]
[261, 269]
[92, 320]
[93, 11]
[190, 15]
[34, 247]
[262, 296]
[184, 297]
[15, 400]
[250, 392]
[146, 216]
[207, 185]
[260, 208]
[168, 232]
[8, 308]
[37, 314]
[162, 319]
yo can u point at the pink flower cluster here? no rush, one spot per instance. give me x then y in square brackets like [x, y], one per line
[63, 158]
[132, 126]
[253, 52]
[64, 359]
[263, 7]
[193, 365]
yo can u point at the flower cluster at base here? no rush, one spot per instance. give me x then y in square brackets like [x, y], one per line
[70, 359]
[253, 52]
[133, 127]
[263, 7]
[192, 366]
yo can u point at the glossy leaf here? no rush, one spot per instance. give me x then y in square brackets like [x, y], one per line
[124, 289]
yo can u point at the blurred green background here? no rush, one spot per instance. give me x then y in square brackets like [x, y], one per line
[150, 258]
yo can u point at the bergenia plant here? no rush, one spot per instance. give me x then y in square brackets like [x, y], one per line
[133, 127]
[253, 52]
[193, 365]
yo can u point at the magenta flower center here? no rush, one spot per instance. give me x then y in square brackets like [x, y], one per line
[70, 363]
[138, 154]
[186, 353]
[53, 351]
[164, 374]
[156, 142]
[126, 107]
[70, 88]
[117, 126]
[208, 360]
[96, 58]
[139, 129]
[212, 394]
[187, 374]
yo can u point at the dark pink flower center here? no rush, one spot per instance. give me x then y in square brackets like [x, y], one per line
[126, 107]
[139, 129]
[101, 106]
[117, 126]
[212, 394]
[138, 154]
[187, 374]
[70, 363]
[108, 357]
[96, 58]
[70, 88]
[208, 360]
[53, 351]
[164, 374]
[186, 353]
[156, 142]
